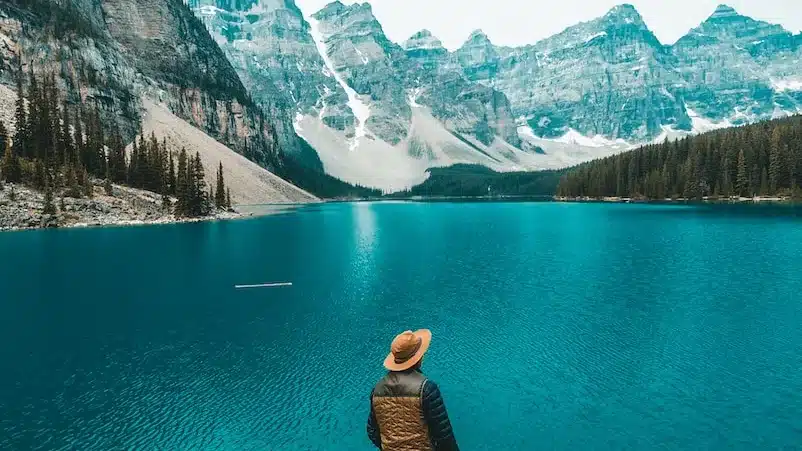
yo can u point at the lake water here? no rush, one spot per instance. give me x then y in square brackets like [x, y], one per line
[556, 326]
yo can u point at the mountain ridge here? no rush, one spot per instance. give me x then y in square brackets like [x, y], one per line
[599, 86]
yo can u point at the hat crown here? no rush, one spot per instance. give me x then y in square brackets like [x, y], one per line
[404, 346]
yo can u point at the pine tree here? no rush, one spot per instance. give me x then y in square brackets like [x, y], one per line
[49, 123]
[89, 189]
[117, 168]
[107, 186]
[35, 134]
[133, 165]
[10, 168]
[78, 139]
[228, 198]
[65, 137]
[726, 182]
[220, 189]
[182, 185]
[20, 117]
[49, 208]
[791, 154]
[775, 166]
[38, 181]
[71, 182]
[199, 202]
[171, 175]
[742, 183]
[154, 171]
[3, 135]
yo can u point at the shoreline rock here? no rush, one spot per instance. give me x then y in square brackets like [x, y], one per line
[126, 207]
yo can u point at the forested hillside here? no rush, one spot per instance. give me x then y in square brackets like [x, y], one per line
[57, 149]
[464, 180]
[763, 159]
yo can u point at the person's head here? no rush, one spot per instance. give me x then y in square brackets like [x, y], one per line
[407, 350]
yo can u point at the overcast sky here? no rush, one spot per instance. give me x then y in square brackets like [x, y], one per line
[517, 22]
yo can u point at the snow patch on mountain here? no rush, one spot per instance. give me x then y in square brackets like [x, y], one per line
[429, 144]
[362, 56]
[702, 124]
[412, 97]
[374, 163]
[576, 138]
[786, 84]
[597, 35]
[560, 155]
[209, 10]
[360, 109]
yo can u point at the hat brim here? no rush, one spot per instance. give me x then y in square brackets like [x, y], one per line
[425, 336]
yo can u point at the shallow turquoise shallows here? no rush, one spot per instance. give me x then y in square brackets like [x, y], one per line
[556, 326]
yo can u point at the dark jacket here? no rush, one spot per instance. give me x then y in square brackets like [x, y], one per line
[407, 413]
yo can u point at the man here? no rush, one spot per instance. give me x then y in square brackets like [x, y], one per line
[407, 412]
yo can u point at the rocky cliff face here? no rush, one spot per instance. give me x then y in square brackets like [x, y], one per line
[115, 52]
[611, 77]
[357, 50]
[737, 70]
[269, 44]
[605, 77]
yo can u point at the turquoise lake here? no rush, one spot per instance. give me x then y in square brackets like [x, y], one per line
[556, 326]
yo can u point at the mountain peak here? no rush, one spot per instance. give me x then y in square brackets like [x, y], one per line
[337, 8]
[724, 11]
[423, 40]
[332, 8]
[478, 35]
[624, 13]
[422, 34]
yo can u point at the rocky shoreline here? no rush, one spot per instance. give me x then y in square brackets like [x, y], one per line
[126, 206]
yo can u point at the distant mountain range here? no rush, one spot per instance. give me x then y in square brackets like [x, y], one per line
[380, 113]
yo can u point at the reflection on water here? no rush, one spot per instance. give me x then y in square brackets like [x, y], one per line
[365, 226]
[363, 255]
[266, 210]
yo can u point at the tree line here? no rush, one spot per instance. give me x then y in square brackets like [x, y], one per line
[59, 150]
[762, 159]
[465, 180]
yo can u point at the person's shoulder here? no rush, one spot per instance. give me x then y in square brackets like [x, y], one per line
[430, 387]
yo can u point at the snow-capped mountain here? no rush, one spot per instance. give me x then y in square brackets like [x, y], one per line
[609, 77]
[377, 113]
[380, 113]
[736, 69]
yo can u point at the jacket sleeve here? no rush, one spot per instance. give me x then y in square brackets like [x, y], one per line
[373, 427]
[434, 412]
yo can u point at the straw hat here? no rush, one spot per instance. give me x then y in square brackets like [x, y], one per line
[407, 349]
